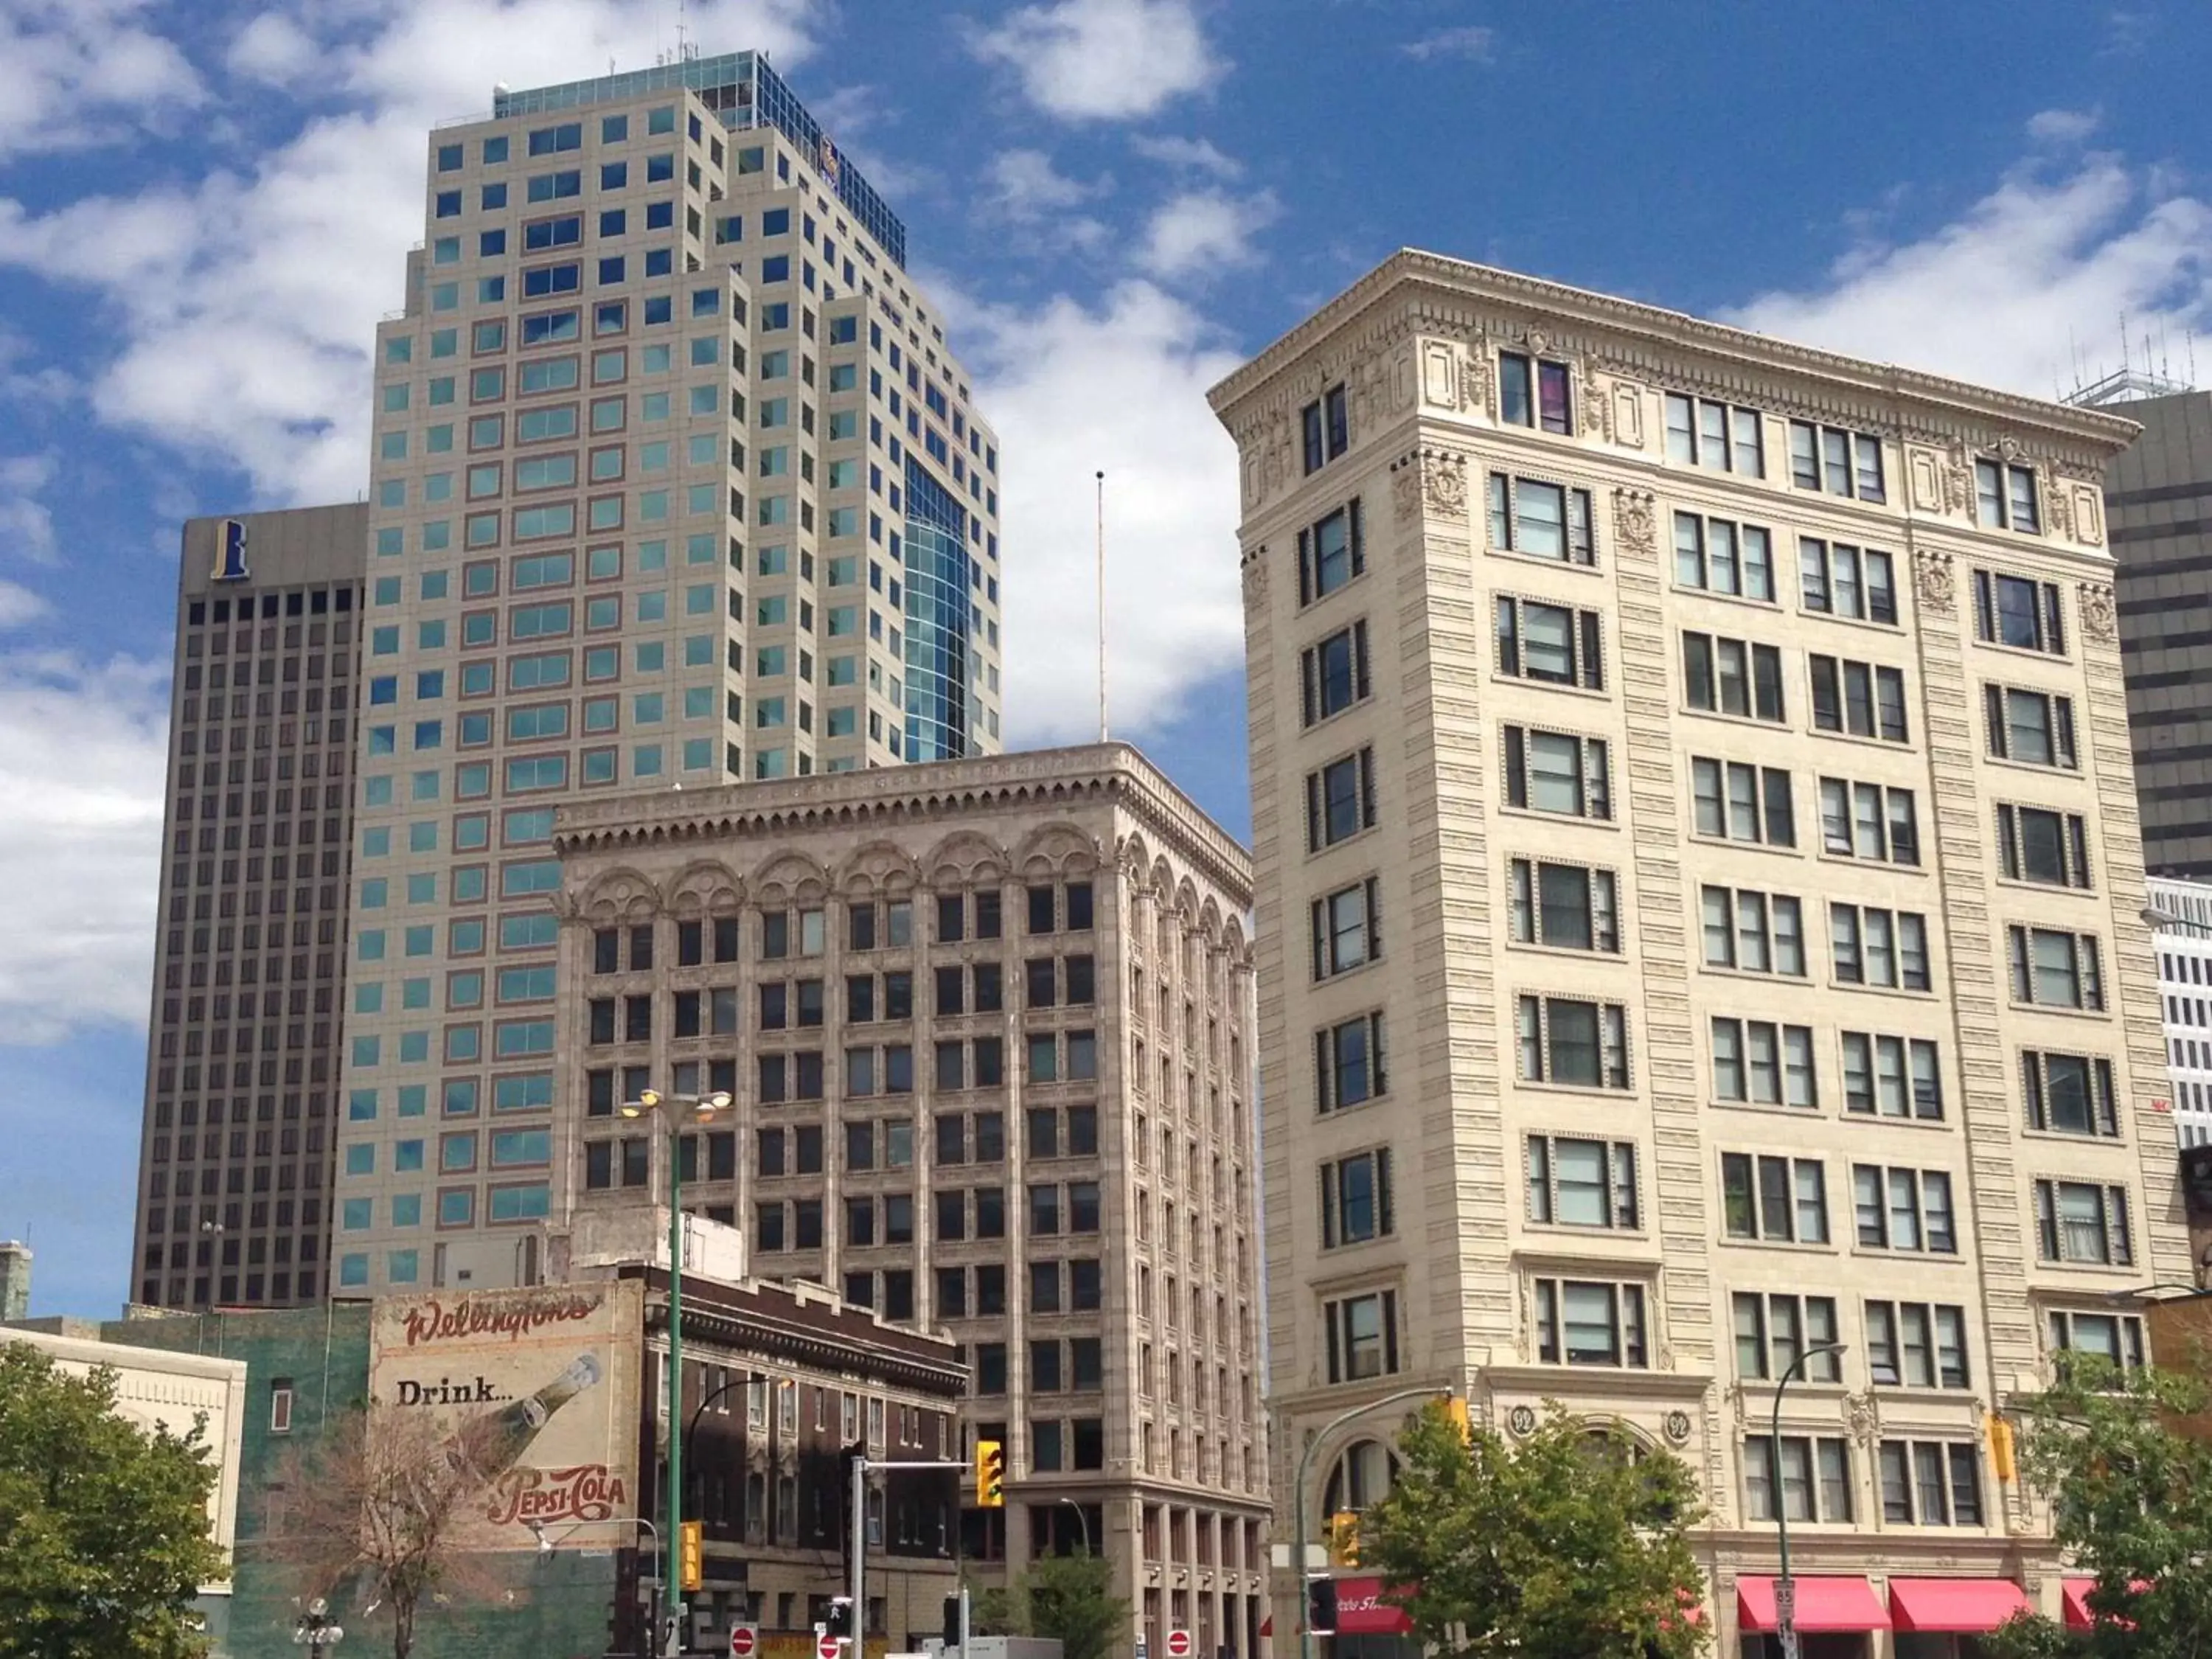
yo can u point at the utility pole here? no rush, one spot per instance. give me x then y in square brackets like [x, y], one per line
[857, 1586]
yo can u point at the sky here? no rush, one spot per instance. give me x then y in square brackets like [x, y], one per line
[205, 207]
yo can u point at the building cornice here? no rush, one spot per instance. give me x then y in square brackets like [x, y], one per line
[948, 792]
[1460, 282]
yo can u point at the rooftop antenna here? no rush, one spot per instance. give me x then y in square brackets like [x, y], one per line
[1102, 606]
[2125, 366]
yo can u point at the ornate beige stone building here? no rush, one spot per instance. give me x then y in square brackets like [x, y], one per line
[988, 1023]
[1699, 885]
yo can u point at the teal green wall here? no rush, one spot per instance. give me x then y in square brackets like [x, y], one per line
[545, 1606]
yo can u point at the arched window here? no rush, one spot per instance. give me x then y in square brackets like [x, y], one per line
[1365, 1472]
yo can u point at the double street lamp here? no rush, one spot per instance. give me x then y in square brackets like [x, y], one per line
[675, 1113]
[1785, 1587]
[315, 1629]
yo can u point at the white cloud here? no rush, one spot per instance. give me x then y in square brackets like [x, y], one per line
[1025, 185]
[272, 48]
[1122, 387]
[1201, 232]
[26, 524]
[1471, 42]
[18, 606]
[82, 751]
[1104, 59]
[75, 73]
[1996, 295]
[1197, 154]
[2062, 126]
[249, 301]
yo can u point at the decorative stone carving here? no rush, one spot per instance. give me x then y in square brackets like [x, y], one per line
[2099, 620]
[1476, 389]
[2009, 447]
[1634, 524]
[1256, 578]
[1521, 1420]
[1861, 1418]
[1931, 573]
[1676, 1427]
[1444, 482]
[1405, 492]
[1538, 340]
[1959, 479]
[1596, 407]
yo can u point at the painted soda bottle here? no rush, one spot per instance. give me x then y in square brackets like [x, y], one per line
[493, 1444]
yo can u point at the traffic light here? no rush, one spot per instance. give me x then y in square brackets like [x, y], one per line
[1321, 1605]
[691, 1554]
[990, 1474]
[1455, 1414]
[1344, 1538]
[2002, 1457]
[951, 1632]
[839, 1621]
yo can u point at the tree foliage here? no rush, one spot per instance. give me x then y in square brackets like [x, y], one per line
[1566, 1546]
[2131, 1504]
[383, 1504]
[1069, 1598]
[103, 1526]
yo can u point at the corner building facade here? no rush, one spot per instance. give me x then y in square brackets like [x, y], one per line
[243, 1054]
[988, 1027]
[1698, 917]
[675, 481]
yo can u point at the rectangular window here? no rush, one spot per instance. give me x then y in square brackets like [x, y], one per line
[2004, 497]
[2069, 1093]
[1886, 948]
[1736, 802]
[1553, 644]
[1557, 772]
[2078, 1221]
[1333, 674]
[1577, 1182]
[1930, 1483]
[1809, 1476]
[1533, 392]
[1732, 676]
[1564, 906]
[2115, 1338]
[1573, 1043]
[1355, 1199]
[1341, 799]
[2053, 969]
[1330, 553]
[1758, 1063]
[1869, 821]
[2037, 844]
[1543, 520]
[1363, 1336]
[2016, 612]
[1753, 932]
[1348, 1063]
[1841, 580]
[1773, 1331]
[1897, 1209]
[1703, 433]
[1721, 557]
[1892, 1076]
[1835, 461]
[1324, 427]
[1916, 1345]
[1348, 928]
[1861, 700]
[2032, 727]
[1776, 1200]
[1585, 1322]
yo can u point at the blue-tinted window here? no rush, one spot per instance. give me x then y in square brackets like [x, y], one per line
[659, 309]
[551, 140]
[659, 262]
[607, 318]
[449, 203]
[495, 151]
[659, 215]
[555, 186]
[706, 302]
[552, 279]
[614, 175]
[490, 244]
[659, 169]
[775, 222]
[613, 129]
[492, 195]
[610, 272]
[548, 326]
[554, 233]
[449, 158]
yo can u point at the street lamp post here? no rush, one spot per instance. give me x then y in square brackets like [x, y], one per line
[315, 1630]
[1298, 1498]
[673, 1112]
[1082, 1520]
[2157, 917]
[1785, 1587]
[545, 1544]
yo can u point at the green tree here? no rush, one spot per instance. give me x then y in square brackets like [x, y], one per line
[1069, 1598]
[103, 1527]
[1570, 1545]
[2131, 1504]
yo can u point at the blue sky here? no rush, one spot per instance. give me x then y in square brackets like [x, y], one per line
[205, 206]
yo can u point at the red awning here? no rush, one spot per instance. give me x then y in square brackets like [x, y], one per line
[1955, 1604]
[1361, 1610]
[1823, 1604]
[2075, 1596]
[1267, 1625]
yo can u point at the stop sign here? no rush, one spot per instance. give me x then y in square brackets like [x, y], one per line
[826, 1646]
[744, 1641]
[1178, 1645]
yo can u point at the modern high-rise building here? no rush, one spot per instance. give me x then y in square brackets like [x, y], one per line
[986, 1025]
[2180, 912]
[675, 481]
[1699, 920]
[243, 1057]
